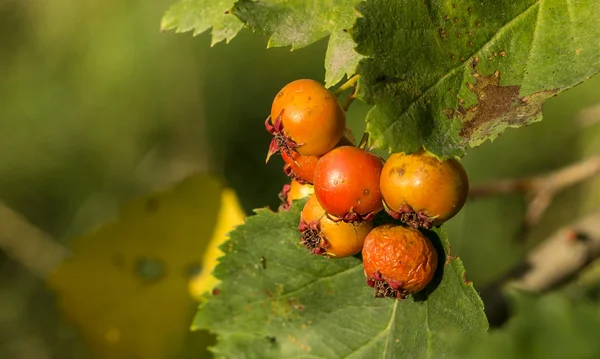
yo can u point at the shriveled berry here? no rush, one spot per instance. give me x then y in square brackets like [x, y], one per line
[323, 236]
[422, 191]
[307, 117]
[294, 191]
[398, 261]
[347, 183]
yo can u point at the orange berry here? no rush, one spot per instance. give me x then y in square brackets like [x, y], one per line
[398, 261]
[307, 117]
[294, 191]
[422, 191]
[324, 236]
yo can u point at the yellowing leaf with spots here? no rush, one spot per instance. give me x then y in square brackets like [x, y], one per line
[130, 286]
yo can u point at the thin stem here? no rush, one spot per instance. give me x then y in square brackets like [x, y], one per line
[347, 85]
[348, 102]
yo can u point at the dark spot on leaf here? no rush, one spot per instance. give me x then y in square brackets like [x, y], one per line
[227, 12]
[381, 78]
[446, 17]
[192, 269]
[272, 340]
[150, 270]
[263, 261]
[502, 53]
[455, 20]
[442, 32]
[458, 35]
[216, 291]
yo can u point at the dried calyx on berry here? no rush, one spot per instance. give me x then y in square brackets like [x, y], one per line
[292, 192]
[305, 117]
[324, 236]
[422, 191]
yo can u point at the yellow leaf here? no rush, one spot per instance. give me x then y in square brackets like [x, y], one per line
[130, 286]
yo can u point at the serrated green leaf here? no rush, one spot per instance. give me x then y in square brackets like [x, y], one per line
[547, 327]
[301, 23]
[447, 75]
[278, 301]
[201, 15]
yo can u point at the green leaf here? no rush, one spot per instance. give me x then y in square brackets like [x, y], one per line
[449, 75]
[301, 23]
[547, 327]
[278, 301]
[201, 15]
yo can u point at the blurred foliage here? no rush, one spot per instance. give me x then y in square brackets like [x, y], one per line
[97, 107]
[550, 326]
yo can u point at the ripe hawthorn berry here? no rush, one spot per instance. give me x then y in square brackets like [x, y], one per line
[323, 236]
[307, 117]
[347, 183]
[398, 261]
[302, 168]
[421, 190]
[294, 191]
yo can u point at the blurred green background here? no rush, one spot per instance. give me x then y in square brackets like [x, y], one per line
[97, 107]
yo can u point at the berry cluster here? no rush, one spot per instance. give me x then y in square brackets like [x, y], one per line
[348, 186]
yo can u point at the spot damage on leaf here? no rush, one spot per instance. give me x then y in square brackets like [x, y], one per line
[498, 107]
[415, 72]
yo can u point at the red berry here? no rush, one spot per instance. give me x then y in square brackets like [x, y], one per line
[299, 167]
[302, 168]
[347, 183]
[422, 191]
[307, 117]
[398, 261]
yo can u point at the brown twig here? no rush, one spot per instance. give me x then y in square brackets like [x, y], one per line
[27, 244]
[540, 189]
[549, 265]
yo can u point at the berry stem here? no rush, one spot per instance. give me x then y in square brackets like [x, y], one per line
[347, 85]
[364, 141]
[348, 102]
